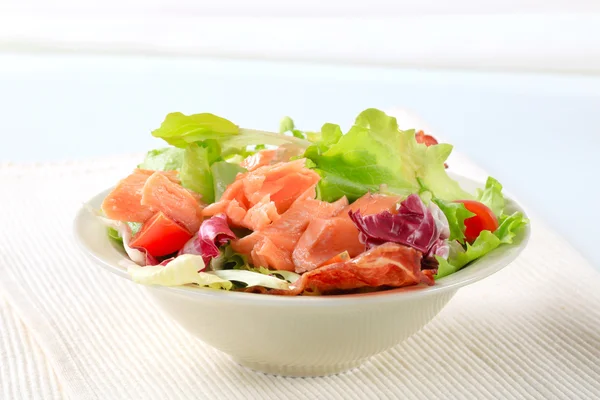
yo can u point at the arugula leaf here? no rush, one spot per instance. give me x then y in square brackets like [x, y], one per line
[492, 196]
[164, 159]
[456, 213]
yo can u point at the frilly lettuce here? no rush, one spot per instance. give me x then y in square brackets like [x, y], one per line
[485, 242]
[492, 196]
[374, 153]
[456, 213]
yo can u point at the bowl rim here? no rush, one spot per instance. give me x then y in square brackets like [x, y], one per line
[505, 254]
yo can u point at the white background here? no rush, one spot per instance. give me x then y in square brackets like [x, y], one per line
[535, 35]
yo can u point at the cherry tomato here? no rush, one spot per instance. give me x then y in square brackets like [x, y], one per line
[428, 140]
[160, 236]
[483, 220]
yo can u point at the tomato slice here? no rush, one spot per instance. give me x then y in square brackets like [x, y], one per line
[483, 220]
[160, 235]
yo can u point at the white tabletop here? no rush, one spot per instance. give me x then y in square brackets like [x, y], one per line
[538, 134]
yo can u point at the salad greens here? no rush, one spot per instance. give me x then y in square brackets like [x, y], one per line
[163, 159]
[375, 153]
[183, 270]
[456, 213]
[373, 156]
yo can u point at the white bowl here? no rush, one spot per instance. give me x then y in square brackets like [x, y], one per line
[300, 336]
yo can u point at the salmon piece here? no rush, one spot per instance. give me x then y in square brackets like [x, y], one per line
[326, 238]
[261, 214]
[273, 245]
[388, 265]
[124, 202]
[260, 159]
[272, 156]
[161, 194]
[373, 204]
[281, 183]
[323, 240]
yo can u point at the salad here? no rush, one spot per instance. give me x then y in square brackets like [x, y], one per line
[300, 212]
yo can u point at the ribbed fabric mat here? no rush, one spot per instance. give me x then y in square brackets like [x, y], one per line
[529, 331]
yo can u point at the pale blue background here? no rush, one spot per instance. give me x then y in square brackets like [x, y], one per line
[538, 134]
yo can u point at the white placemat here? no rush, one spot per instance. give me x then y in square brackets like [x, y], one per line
[529, 331]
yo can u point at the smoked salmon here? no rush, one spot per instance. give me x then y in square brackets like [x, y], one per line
[388, 265]
[142, 194]
[257, 198]
[272, 246]
[326, 238]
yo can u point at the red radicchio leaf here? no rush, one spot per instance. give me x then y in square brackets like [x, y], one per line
[415, 225]
[214, 232]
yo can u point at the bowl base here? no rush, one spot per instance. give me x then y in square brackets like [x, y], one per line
[299, 371]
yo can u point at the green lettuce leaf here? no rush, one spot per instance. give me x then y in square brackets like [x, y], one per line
[510, 226]
[374, 153]
[229, 259]
[485, 242]
[164, 159]
[182, 270]
[180, 130]
[114, 235]
[456, 213]
[287, 125]
[492, 196]
[289, 276]
[250, 278]
[224, 174]
[195, 171]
